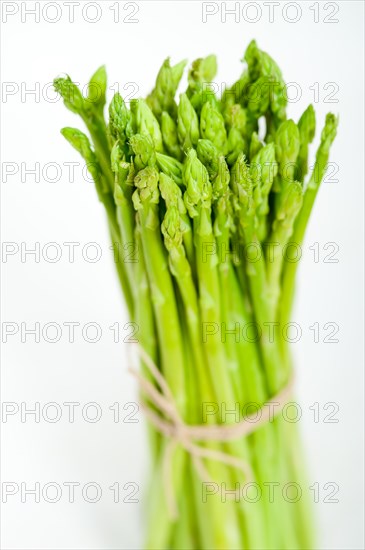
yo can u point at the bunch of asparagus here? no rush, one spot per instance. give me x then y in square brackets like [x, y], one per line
[210, 193]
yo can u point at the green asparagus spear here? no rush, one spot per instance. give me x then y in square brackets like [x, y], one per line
[169, 136]
[328, 135]
[120, 124]
[170, 166]
[81, 143]
[145, 122]
[212, 126]
[187, 124]
[162, 97]
[307, 129]
[93, 118]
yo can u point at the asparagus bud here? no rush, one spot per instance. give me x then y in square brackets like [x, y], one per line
[118, 163]
[260, 64]
[263, 170]
[212, 126]
[235, 145]
[236, 93]
[170, 166]
[287, 143]
[171, 192]
[327, 136]
[242, 187]
[187, 124]
[177, 72]
[255, 145]
[307, 128]
[258, 96]
[201, 75]
[235, 116]
[143, 150]
[162, 96]
[202, 70]
[172, 195]
[208, 154]
[146, 182]
[198, 187]
[97, 89]
[169, 135]
[145, 122]
[288, 205]
[222, 198]
[71, 95]
[81, 143]
[170, 228]
[120, 122]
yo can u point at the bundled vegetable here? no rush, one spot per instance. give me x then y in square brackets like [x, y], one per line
[211, 194]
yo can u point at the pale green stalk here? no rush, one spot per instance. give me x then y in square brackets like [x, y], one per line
[287, 144]
[81, 143]
[197, 198]
[289, 204]
[145, 200]
[241, 184]
[328, 135]
[124, 213]
[91, 113]
[180, 268]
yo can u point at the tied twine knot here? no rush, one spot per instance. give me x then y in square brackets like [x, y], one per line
[178, 432]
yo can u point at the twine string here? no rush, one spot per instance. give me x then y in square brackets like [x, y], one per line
[177, 432]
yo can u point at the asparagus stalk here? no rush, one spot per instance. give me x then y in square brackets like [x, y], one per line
[81, 143]
[287, 144]
[198, 196]
[145, 200]
[241, 183]
[91, 112]
[328, 135]
[180, 268]
[124, 210]
[289, 205]
[263, 170]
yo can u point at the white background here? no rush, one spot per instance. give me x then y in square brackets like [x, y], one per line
[106, 452]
